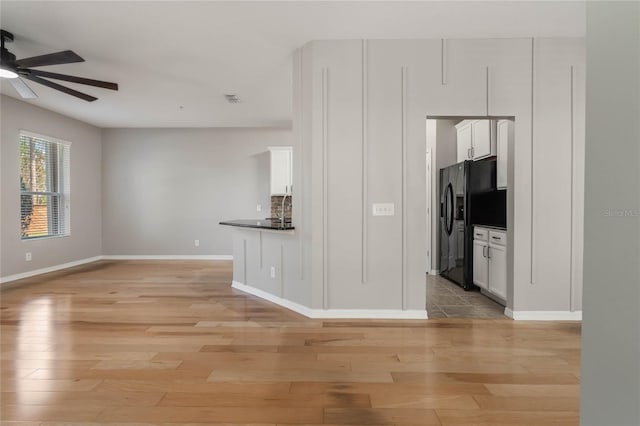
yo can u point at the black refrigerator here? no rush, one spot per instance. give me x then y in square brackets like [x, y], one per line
[468, 196]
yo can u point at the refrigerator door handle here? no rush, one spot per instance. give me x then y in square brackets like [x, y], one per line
[449, 206]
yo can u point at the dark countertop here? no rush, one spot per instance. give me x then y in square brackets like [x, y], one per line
[273, 224]
[497, 228]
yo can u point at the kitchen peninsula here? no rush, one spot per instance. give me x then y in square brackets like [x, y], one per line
[266, 261]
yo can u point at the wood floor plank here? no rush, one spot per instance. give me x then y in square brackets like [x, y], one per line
[285, 400]
[144, 399]
[101, 374]
[26, 385]
[506, 418]
[214, 415]
[286, 374]
[553, 390]
[528, 403]
[419, 400]
[381, 416]
[140, 343]
[66, 413]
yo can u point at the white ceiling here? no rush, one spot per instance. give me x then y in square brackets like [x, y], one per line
[175, 60]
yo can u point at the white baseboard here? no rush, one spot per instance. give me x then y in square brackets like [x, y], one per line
[296, 307]
[168, 257]
[331, 313]
[433, 272]
[544, 315]
[54, 268]
[369, 313]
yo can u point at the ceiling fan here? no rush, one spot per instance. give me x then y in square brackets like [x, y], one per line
[15, 69]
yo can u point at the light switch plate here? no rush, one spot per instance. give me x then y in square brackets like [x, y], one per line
[383, 209]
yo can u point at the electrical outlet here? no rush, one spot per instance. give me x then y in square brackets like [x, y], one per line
[196, 243]
[28, 256]
[259, 208]
[383, 209]
[273, 272]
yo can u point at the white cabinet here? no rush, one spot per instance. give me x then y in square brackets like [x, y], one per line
[281, 169]
[476, 139]
[490, 261]
[497, 269]
[504, 134]
[483, 141]
[464, 140]
[480, 264]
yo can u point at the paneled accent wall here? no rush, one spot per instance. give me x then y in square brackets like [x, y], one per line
[557, 174]
[367, 101]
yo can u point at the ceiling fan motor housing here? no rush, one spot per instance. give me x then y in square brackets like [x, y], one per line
[7, 58]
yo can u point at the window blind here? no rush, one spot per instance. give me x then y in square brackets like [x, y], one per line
[44, 187]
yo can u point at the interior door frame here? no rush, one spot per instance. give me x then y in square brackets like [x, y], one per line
[429, 236]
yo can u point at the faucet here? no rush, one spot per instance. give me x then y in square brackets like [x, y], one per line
[286, 194]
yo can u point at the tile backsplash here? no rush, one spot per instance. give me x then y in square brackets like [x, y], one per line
[276, 206]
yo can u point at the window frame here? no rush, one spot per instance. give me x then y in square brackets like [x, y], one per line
[58, 181]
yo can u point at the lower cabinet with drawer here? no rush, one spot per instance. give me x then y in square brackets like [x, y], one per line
[490, 261]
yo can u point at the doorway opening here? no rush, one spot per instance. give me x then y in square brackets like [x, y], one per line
[468, 193]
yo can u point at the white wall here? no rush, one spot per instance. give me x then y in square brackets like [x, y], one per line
[610, 380]
[164, 188]
[85, 240]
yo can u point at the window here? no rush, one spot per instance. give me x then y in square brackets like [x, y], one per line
[44, 186]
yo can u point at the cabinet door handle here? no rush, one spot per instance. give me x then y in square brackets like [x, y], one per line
[472, 152]
[468, 152]
[488, 252]
[483, 254]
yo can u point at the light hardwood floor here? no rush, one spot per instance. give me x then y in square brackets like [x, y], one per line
[171, 343]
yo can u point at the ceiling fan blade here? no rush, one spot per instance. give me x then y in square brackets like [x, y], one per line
[74, 79]
[22, 88]
[61, 88]
[64, 57]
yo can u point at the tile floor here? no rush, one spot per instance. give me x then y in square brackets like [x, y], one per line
[447, 300]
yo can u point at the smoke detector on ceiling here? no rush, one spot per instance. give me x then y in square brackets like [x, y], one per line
[232, 99]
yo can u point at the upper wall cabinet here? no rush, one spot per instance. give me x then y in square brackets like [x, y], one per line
[476, 139]
[463, 141]
[483, 142]
[281, 169]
